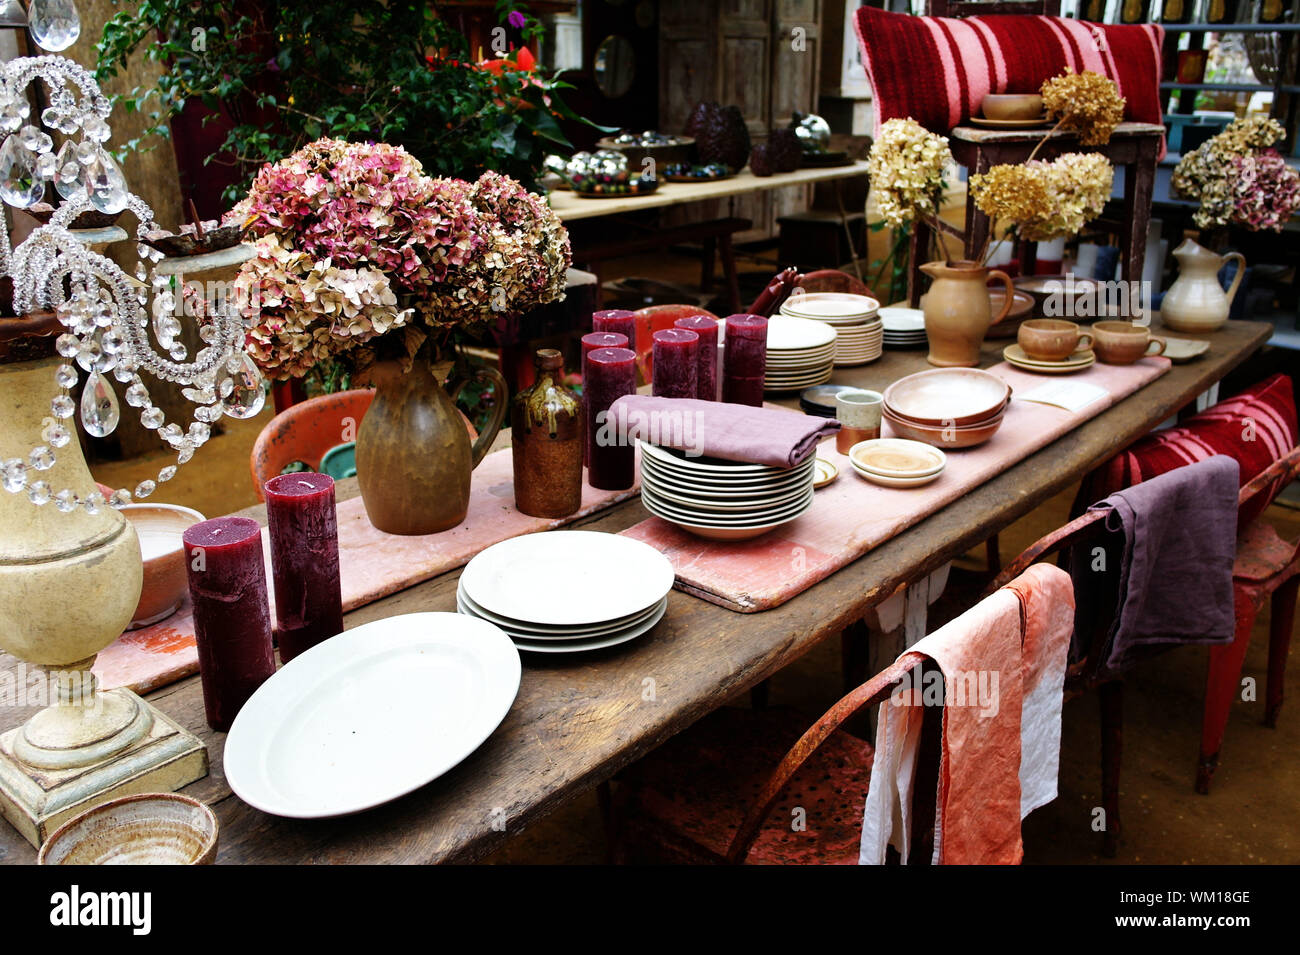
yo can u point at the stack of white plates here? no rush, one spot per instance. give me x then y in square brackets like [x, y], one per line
[855, 318]
[800, 353]
[723, 500]
[903, 327]
[567, 591]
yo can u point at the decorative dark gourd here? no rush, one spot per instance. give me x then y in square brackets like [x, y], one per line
[760, 160]
[720, 135]
[785, 150]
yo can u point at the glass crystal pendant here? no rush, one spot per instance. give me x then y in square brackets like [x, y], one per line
[105, 183]
[20, 184]
[99, 409]
[55, 24]
[248, 394]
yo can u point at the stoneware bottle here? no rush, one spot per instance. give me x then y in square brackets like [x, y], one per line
[546, 438]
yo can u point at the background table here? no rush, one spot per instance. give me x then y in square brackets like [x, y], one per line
[578, 721]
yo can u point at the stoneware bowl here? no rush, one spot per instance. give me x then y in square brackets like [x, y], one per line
[146, 829]
[964, 436]
[159, 527]
[1074, 288]
[952, 396]
[1012, 106]
[1022, 307]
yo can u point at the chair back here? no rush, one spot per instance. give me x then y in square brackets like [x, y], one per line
[305, 431]
[832, 280]
[655, 318]
[1260, 491]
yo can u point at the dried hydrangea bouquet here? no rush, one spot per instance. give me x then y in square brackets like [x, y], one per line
[1240, 179]
[363, 259]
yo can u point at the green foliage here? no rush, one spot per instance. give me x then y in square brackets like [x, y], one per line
[288, 72]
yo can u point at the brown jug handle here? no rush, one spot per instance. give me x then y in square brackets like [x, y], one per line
[1011, 294]
[499, 409]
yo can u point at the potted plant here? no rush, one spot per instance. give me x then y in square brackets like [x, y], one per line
[364, 260]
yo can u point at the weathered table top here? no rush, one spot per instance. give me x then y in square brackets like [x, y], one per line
[571, 207]
[578, 721]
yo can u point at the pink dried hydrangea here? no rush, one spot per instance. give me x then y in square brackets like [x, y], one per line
[1265, 190]
[354, 241]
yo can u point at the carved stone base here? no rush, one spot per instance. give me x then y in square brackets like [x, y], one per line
[37, 801]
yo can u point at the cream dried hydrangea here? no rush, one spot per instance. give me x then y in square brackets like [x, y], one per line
[1046, 200]
[1086, 103]
[1210, 173]
[906, 164]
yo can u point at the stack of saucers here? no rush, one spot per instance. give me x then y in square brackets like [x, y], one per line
[896, 462]
[800, 353]
[723, 500]
[567, 591]
[903, 327]
[855, 318]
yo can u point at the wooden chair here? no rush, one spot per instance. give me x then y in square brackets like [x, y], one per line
[832, 280]
[708, 795]
[305, 431]
[1266, 565]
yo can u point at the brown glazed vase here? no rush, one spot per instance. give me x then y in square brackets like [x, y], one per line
[546, 441]
[957, 311]
[414, 457]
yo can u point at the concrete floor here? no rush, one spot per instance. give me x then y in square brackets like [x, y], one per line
[1250, 817]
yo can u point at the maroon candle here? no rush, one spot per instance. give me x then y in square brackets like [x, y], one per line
[706, 381]
[744, 359]
[617, 320]
[590, 343]
[232, 621]
[304, 531]
[611, 374]
[676, 363]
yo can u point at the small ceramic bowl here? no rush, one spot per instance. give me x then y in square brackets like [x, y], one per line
[965, 436]
[146, 829]
[1012, 106]
[159, 527]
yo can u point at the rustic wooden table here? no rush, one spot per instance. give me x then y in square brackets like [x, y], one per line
[576, 722]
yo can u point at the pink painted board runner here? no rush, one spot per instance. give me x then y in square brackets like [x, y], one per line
[372, 565]
[852, 516]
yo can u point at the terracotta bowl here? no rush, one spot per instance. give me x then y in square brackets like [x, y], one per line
[967, 436]
[146, 829]
[159, 527]
[1012, 106]
[960, 396]
[1042, 287]
[1022, 308]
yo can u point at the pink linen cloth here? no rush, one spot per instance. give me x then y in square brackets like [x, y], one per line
[1003, 663]
[776, 437]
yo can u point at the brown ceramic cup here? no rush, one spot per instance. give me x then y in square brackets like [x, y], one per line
[1051, 339]
[1122, 343]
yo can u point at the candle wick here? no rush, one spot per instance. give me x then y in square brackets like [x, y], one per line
[306, 484]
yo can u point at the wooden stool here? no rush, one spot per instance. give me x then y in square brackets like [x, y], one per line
[1135, 146]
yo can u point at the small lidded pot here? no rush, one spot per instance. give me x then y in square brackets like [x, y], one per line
[546, 442]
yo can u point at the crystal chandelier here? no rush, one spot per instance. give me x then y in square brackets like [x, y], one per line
[104, 312]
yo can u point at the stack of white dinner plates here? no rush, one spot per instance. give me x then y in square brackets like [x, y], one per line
[855, 318]
[723, 500]
[903, 327]
[567, 591]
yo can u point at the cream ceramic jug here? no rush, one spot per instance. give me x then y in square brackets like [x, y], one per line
[1196, 302]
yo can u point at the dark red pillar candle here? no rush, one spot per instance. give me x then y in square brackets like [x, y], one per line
[232, 620]
[611, 374]
[744, 359]
[676, 363]
[617, 320]
[590, 343]
[304, 531]
[706, 376]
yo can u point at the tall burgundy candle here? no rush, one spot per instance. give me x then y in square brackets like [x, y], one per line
[744, 360]
[611, 374]
[617, 320]
[304, 531]
[676, 363]
[232, 621]
[706, 376]
[590, 342]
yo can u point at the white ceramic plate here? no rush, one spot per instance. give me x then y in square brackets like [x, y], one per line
[1177, 350]
[729, 492]
[712, 532]
[567, 578]
[712, 505]
[581, 646]
[517, 627]
[723, 479]
[371, 714]
[898, 319]
[758, 519]
[824, 305]
[677, 461]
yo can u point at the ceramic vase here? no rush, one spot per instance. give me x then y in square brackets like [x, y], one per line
[1196, 301]
[957, 311]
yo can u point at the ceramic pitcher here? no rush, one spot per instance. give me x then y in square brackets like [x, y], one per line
[957, 310]
[1196, 302]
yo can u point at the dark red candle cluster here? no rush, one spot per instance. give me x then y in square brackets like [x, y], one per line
[706, 376]
[744, 360]
[304, 533]
[675, 363]
[610, 374]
